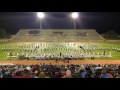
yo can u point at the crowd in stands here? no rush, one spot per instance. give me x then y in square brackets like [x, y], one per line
[60, 71]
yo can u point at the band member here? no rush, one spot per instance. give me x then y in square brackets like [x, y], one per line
[68, 61]
[60, 54]
[56, 60]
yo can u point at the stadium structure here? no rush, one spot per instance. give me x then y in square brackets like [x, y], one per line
[56, 35]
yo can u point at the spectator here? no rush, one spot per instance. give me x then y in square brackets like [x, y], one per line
[119, 69]
[68, 74]
[36, 74]
[42, 75]
[106, 74]
[88, 75]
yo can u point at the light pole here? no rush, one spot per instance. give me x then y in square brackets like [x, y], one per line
[41, 16]
[74, 16]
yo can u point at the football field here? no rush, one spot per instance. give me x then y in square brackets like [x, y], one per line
[98, 50]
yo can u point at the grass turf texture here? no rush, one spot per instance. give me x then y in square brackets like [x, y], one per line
[56, 48]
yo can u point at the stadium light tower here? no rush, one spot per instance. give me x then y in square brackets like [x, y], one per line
[41, 16]
[74, 16]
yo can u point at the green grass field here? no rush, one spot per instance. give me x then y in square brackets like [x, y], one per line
[65, 48]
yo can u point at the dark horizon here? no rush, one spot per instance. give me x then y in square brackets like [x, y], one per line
[101, 21]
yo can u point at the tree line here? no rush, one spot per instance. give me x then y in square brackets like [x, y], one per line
[3, 34]
[111, 35]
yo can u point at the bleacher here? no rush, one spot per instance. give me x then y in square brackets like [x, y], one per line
[51, 35]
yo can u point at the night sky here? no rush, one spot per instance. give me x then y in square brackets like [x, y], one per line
[101, 21]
